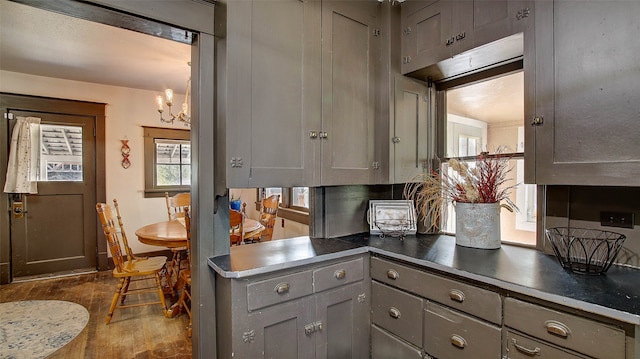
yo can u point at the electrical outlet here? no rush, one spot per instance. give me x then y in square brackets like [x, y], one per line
[617, 219]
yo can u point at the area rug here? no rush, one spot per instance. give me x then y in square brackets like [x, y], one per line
[37, 328]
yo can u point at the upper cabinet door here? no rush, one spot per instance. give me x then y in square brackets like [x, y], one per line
[350, 49]
[411, 135]
[587, 93]
[427, 33]
[274, 91]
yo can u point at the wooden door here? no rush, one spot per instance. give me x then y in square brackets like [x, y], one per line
[57, 230]
[350, 55]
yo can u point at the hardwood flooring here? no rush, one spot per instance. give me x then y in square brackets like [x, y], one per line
[138, 332]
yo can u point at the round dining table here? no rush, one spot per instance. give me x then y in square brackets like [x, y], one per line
[172, 234]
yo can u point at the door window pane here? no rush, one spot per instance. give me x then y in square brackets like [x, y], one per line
[300, 197]
[60, 153]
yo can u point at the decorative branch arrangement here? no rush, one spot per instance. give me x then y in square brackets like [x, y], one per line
[481, 182]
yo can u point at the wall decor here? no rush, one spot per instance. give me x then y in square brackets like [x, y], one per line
[125, 150]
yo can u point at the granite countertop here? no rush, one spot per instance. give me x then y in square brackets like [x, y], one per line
[521, 270]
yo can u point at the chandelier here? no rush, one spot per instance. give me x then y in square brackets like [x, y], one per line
[182, 116]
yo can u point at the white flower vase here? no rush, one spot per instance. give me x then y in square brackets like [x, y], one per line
[478, 225]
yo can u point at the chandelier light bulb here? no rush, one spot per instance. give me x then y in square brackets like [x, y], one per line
[159, 100]
[168, 93]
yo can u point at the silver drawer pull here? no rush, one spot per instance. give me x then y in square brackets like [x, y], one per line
[392, 274]
[282, 288]
[394, 313]
[526, 351]
[456, 295]
[458, 341]
[557, 328]
[340, 273]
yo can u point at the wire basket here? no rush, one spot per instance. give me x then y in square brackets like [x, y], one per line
[394, 227]
[585, 251]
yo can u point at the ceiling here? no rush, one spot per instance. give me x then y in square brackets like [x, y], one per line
[44, 43]
[499, 100]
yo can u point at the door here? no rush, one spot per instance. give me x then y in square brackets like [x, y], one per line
[55, 229]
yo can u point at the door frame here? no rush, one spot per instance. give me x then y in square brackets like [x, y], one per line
[208, 177]
[9, 101]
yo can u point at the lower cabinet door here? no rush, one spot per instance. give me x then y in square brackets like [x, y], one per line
[344, 317]
[277, 332]
[385, 346]
[522, 347]
[450, 334]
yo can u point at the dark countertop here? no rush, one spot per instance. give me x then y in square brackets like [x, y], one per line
[521, 270]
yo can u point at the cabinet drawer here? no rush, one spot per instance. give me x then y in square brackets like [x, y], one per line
[566, 330]
[385, 346]
[338, 274]
[522, 347]
[450, 334]
[398, 312]
[277, 290]
[476, 301]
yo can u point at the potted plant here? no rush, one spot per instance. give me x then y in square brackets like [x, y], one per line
[478, 192]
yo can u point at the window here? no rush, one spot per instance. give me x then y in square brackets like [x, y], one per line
[482, 115]
[167, 157]
[60, 153]
[294, 202]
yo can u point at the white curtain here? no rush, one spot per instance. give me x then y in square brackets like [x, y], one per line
[22, 170]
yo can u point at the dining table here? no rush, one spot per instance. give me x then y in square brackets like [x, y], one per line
[172, 234]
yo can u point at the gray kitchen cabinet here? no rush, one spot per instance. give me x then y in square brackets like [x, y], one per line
[559, 332]
[586, 90]
[319, 311]
[433, 31]
[301, 92]
[445, 318]
[412, 135]
[351, 48]
[273, 92]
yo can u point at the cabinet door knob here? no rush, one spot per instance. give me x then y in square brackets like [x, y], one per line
[281, 288]
[525, 350]
[392, 274]
[340, 273]
[458, 341]
[557, 328]
[395, 139]
[456, 295]
[313, 134]
[394, 313]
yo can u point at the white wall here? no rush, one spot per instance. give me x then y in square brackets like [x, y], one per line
[127, 111]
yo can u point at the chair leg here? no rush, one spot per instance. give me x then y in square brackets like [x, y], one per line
[161, 296]
[125, 289]
[114, 301]
[187, 308]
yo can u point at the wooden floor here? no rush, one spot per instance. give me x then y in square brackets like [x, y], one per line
[139, 332]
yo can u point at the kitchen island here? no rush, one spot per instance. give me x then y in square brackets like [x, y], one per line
[511, 271]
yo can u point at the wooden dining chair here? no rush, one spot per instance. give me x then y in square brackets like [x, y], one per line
[185, 297]
[268, 214]
[236, 223]
[176, 208]
[129, 268]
